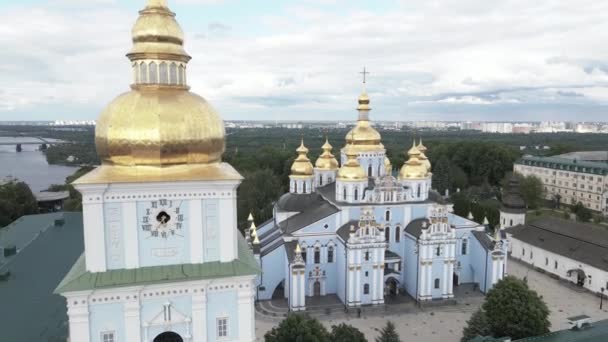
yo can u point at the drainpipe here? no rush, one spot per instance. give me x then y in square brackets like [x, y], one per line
[417, 273]
[485, 275]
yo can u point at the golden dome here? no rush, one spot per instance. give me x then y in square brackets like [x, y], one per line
[363, 136]
[351, 170]
[157, 35]
[423, 158]
[327, 161]
[302, 167]
[414, 167]
[387, 165]
[157, 128]
[421, 147]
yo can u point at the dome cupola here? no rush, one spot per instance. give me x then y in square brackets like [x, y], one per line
[326, 161]
[363, 136]
[301, 165]
[351, 170]
[423, 158]
[413, 168]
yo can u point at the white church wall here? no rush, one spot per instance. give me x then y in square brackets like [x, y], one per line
[411, 269]
[273, 274]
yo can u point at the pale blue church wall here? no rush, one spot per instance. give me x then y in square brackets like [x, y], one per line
[152, 307]
[114, 235]
[437, 273]
[319, 226]
[419, 210]
[153, 251]
[396, 220]
[106, 318]
[478, 262]
[210, 244]
[340, 271]
[219, 305]
[329, 268]
[273, 265]
[366, 278]
[410, 267]
[465, 273]
[263, 228]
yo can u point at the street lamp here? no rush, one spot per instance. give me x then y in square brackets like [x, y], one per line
[601, 298]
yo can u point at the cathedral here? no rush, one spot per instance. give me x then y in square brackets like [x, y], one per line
[163, 260]
[361, 232]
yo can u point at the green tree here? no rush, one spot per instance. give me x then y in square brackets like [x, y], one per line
[477, 325]
[462, 205]
[346, 333]
[441, 175]
[582, 213]
[388, 333]
[513, 309]
[299, 328]
[16, 200]
[256, 195]
[532, 191]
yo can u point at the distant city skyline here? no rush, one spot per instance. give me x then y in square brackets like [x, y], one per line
[301, 60]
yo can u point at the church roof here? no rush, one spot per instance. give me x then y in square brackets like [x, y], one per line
[390, 255]
[578, 241]
[344, 230]
[414, 228]
[316, 211]
[298, 202]
[484, 239]
[290, 250]
[79, 279]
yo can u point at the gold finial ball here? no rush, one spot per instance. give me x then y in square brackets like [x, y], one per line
[159, 127]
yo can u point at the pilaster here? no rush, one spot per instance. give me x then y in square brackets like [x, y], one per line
[199, 317]
[132, 320]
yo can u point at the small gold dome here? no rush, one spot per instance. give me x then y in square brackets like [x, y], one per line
[327, 161]
[387, 165]
[159, 127]
[351, 170]
[413, 168]
[301, 165]
[423, 158]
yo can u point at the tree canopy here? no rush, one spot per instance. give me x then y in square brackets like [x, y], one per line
[388, 333]
[300, 328]
[16, 200]
[346, 333]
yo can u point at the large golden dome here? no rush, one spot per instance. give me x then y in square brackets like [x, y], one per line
[327, 161]
[363, 136]
[159, 131]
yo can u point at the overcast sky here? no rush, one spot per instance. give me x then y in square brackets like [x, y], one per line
[300, 60]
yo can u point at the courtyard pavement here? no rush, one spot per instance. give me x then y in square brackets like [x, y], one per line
[442, 323]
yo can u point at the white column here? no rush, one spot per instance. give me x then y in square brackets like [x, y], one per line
[295, 296]
[195, 220]
[79, 322]
[246, 314]
[422, 280]
[451, 279]
[429, 280]
[301, 277]
[131, 244]
[94, 236]
[132, 320]
[199, 317]
[358, 276]
[227, 219]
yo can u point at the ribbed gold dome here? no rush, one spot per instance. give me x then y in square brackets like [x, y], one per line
[413, 168]
[302, 166]
[363, 136]
[327, 161]
[351, 170]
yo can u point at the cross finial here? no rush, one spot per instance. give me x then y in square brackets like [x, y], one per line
[365, 73]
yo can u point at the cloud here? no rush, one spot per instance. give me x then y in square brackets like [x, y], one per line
[302, 60]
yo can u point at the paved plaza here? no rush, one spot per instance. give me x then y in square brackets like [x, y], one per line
[441, 323]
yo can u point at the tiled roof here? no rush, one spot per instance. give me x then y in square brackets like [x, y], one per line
[565, 164]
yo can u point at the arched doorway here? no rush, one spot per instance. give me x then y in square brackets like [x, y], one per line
[391, 285]
[279, 291]
[580, 276]
[317, 288]
[168, 336]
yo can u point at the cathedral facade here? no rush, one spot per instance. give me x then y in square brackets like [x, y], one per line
[163, 260]
[357, 231]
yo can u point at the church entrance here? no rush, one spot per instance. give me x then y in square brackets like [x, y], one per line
[168, 336]
[391, 285]
[279, 291]
[317, 289]
[455, 279]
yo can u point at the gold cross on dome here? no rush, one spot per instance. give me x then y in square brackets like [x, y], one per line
[365, 73]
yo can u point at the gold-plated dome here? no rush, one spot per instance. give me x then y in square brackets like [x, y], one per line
[387, 165]
[423, 158]
[327, 161]
[159, 131]
[413, 168]
[363, 136]
[157, 35]
[302, 167]
[351, 170]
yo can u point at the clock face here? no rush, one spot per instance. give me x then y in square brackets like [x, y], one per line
[163, 218]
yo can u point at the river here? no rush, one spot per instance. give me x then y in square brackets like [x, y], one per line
[30, 166]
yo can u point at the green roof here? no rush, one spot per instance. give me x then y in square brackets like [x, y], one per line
[78, 279]
[565, 164]
[594, 332]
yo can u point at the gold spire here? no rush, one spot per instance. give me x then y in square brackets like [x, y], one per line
[250, 217]
[157, 3]
[423, 158]
[326, 161]
[302, 167]
[388, 167]
[413, 168]
[363, 135]
[298, 248]
[351, 170]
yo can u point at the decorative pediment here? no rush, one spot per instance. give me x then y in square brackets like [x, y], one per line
[169, 315]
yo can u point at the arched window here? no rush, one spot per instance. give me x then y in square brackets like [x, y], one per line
[397, 234]
[369, 171]
[387, 234]
[162, 73]
[321, 180]
[136, 72]
[330, 254]
[182, 75]
[344, 198]
[303, 187]
[437, 283]
[173, 74]
[464, 247]
[317, 255]
[438, 251]
[387, 215]
[356, 194]
[143, 72]
[511, 222]
[366, 289]
[153, 73]
[419, 190]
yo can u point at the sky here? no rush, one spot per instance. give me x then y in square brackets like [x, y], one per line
[500, 60]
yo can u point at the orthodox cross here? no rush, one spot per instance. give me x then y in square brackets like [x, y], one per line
[365, 73]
